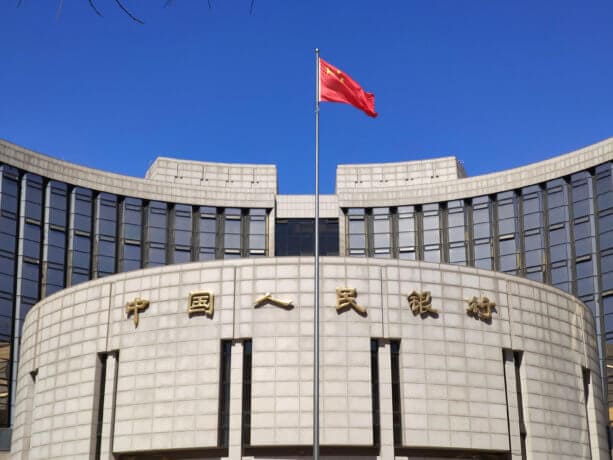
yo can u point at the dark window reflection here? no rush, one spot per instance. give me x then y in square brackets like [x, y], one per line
[257, 232]
[106, 234]
[207, 233]
[295, 237]
[157, 227]
[482, 232]
[584, 233]
[232, 233]
[131, 257]
[508, 256]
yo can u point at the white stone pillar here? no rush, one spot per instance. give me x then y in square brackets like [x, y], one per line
[385, 402]
[236, 403]
[108, 411]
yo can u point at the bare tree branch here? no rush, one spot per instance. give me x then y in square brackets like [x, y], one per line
[91, 3]
[125, 10]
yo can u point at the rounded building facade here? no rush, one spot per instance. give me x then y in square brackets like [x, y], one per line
[215, 360]
[68, 228]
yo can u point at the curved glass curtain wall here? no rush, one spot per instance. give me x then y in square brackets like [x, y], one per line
[54, 235]
[559, 232]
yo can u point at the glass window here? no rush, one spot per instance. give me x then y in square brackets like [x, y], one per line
[356, 226]
[232, 233]
[456, 232]
[207, 228]
[156, 233]
[106, 234]
[432, 232]
[381, 232]
[182, 225]
[132, 219]
[507, 229]
[80, 243]
[257, 232]
[482, 223]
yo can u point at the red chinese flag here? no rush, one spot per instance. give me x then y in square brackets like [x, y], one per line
[336, 86]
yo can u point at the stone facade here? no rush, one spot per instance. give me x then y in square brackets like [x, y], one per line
[459, 375]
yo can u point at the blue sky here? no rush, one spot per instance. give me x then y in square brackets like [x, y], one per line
[497, 84]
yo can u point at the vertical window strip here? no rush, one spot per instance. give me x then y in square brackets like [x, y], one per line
[374, 388]
[407, 233]
[105, 240]
[80, 240]
[101, 386]
[517, 360]
[99, 402]
[156, 234]
[587, 383]
[246, 394]
[182, 233]
[55, 238]
[356, 232]
[225, 369]
[533, 257]
[380, 226]
[396, 400]
[455, 233]
[207, 233]
[507, 224]
[482, 237]
[232, 226]
[131, 234]
[256, 232]
[558, 234]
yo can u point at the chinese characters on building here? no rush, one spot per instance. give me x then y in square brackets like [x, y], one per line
[346, 298]
[201, 303]
[480, 308]
[420, 303]
[134, 308]
[269, 299]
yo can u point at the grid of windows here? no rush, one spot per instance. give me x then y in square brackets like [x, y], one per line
[54, 235]
[559, 232]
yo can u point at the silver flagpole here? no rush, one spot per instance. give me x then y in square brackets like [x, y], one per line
[316, 312]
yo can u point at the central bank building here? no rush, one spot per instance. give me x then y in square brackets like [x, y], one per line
[170, 317]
